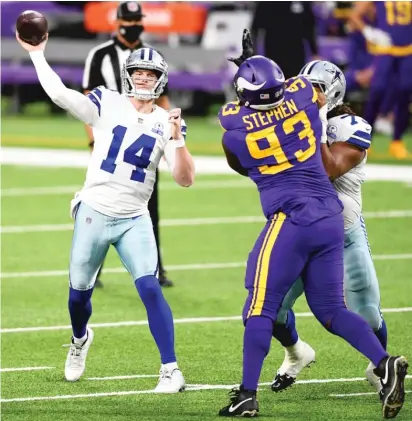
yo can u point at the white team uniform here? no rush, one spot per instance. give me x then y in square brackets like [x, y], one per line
[128, 146]
[111, 209]
[356, 131]
[361, 283]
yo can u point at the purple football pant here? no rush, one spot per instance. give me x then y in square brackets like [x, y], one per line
[391, 74]
[283, 252]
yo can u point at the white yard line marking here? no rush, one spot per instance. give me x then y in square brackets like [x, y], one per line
[194, 266]
[4, 370]
[190, 387]
[348, 395]
[133, 376]
[22, 229]
[164, 185]
[176, 321]
[45, 157]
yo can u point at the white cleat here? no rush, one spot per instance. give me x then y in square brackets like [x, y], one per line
[298, 357]
[170, 381]
[76, 358]
[372, 378]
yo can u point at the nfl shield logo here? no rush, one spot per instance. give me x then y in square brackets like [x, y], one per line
[158, 129]
[88, 220]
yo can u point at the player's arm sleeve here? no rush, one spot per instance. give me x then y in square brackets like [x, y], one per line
[92, 74]
[232, 160]
[361, 138]
[79, 105]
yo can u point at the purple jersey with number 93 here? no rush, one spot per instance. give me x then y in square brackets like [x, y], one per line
[280, 148]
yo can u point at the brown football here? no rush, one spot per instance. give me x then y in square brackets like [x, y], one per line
[31, 27]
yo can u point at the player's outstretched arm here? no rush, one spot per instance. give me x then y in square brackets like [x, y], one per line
[76, 103]
[177, 155]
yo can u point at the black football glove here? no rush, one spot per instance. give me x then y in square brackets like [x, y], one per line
[247, 47]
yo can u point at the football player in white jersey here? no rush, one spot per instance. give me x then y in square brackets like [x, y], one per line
[131, 135]
[344, 154]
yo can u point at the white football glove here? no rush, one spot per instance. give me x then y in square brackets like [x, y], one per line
[377, 36]
[323, 112]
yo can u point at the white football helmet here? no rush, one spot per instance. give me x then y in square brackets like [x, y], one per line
[329, 78]
[145, 59]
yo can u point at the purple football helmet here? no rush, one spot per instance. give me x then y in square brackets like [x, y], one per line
[260, 83]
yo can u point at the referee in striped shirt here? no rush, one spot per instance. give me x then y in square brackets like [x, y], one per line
[103, 67]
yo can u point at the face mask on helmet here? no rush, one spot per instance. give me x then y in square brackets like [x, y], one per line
[131, 33]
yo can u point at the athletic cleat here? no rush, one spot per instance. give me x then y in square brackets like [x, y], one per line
[397, 149]
[243, 403]
[298, 357]
[372, 378]
[392, 372]
[170, 381]
[76, 358]
[164, 281]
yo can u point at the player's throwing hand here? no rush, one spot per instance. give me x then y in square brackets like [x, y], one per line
[28, 47]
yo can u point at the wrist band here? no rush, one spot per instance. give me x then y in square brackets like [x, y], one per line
[180, 143]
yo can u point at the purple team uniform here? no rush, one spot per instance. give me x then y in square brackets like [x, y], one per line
[304, 229]
[395, 18]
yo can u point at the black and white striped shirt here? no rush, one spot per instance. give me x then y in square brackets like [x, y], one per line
[104, 64]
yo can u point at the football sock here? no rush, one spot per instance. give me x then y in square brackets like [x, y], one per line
[256, 345]
[382, 334]
[80, 341]
[80, 309]
[159, 316]
[286, 334]
[356, 331]
[401, 121]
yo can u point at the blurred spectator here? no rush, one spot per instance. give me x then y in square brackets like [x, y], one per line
[390, 42]
[286, 26]
[103, 68]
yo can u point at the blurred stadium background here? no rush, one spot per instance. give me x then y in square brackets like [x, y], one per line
[208, 231]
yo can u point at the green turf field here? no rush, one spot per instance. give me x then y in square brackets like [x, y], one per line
[204, 135]
[205, 258]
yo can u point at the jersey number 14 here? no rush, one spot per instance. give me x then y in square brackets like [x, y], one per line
[143, 143]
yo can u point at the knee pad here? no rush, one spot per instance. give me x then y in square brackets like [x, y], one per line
[372, 315]
[148, 287]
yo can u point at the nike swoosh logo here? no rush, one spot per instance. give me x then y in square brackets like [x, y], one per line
[233, 408]
[385, 379]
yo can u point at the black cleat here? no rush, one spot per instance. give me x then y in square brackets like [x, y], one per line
[164, 281]
[282, 382]
[243, 403]
[392, 371]
[98, 284]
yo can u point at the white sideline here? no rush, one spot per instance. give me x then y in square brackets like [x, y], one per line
[133, 376]
[176, 222]
[4, 370]
[194, 266]
[42, 157]
[190, 387]
[176, 321]
[164, 185]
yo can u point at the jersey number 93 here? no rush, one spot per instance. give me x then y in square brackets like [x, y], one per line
[275, 150]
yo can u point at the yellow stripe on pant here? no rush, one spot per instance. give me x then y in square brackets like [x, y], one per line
[262, 269]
